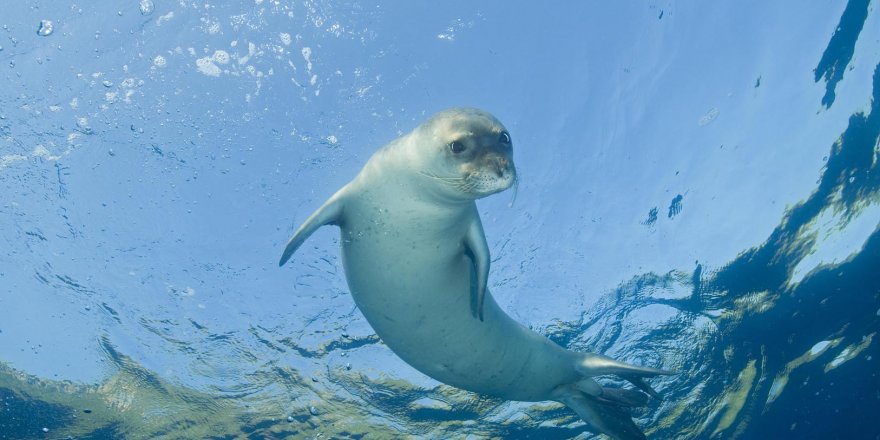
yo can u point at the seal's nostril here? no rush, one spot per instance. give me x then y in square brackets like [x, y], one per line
[503, 164]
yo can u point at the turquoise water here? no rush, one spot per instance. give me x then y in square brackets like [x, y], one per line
[698, 191]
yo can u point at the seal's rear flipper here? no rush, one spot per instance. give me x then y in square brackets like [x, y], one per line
[608, 418]
[623, 397]
[604, 408]
[591, 364]
[330, 213]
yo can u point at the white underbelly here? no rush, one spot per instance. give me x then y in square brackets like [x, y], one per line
[420, 304]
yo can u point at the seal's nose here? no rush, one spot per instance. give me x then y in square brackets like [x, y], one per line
[502, 164]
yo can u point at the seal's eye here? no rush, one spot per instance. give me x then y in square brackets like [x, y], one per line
[457, 147]
[505, 138]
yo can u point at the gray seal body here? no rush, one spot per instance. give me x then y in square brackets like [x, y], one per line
[417, 263]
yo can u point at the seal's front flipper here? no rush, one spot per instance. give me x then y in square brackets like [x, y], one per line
[330, 213]
[476, 246]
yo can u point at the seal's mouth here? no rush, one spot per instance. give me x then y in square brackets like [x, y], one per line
[478, 180]
[491, 179]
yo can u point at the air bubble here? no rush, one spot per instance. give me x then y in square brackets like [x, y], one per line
[46, 28]
[313, 411]
[83, 125]
[221, 56]
[107, 83]
[147, 7]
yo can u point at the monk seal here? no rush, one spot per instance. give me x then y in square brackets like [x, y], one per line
[417, 264]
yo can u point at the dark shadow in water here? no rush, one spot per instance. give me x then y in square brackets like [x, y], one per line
[841, 47]
[24, 417]
[109, 432]
[764, 321]
[838, 301]
[675, 206]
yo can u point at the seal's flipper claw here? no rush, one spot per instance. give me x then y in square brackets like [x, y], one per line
[330, 213]
[475, 245]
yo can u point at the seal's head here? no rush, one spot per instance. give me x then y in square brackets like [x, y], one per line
[471, 153]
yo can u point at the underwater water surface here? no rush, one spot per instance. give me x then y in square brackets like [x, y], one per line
[699, 191]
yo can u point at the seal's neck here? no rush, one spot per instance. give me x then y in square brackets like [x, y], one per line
[409, 173]
[398, 189]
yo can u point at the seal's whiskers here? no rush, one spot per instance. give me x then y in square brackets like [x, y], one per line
[442, 179]
[515, 190]
[468, 185]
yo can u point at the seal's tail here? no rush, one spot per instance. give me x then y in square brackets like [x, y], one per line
[604, 408]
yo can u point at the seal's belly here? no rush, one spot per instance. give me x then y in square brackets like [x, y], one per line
[420, 304]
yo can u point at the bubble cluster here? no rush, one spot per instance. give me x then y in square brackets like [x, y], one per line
[46, 28]
[147, 7]
[221, 56]
[207, 66]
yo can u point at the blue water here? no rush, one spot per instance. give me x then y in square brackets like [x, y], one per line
[698, 192]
